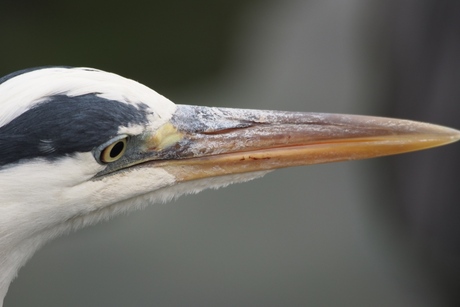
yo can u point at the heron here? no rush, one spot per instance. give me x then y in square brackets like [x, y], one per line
[80, 145]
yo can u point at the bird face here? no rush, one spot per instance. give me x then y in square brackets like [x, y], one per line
[79, 145]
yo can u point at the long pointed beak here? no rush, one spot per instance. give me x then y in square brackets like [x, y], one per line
[201, 142]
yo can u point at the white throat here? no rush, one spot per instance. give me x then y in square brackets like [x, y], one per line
[59, 197]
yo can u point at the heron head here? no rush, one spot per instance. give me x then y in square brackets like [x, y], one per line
[79, 145]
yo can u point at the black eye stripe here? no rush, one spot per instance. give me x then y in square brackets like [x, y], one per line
[69, 124]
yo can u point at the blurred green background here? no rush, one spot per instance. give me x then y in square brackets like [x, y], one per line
[181, 42]
[328, 235]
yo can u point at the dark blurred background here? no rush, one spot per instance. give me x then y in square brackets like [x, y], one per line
[383, 232]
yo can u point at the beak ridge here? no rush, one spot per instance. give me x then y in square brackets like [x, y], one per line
[221, 141]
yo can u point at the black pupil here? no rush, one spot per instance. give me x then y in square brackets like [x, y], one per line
[116, 149]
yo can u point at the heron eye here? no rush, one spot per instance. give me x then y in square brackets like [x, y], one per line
[114, 151]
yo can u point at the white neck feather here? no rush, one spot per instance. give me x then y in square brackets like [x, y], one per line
[58, 197]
